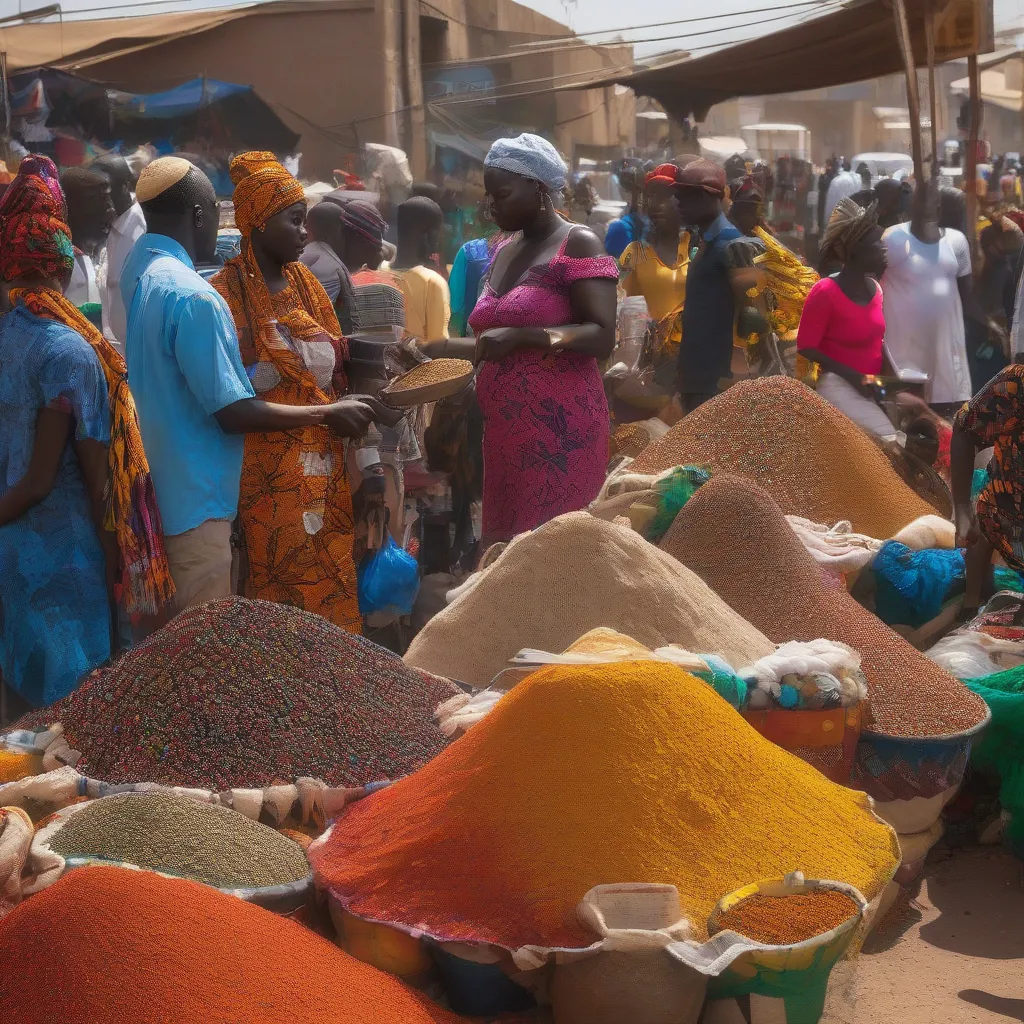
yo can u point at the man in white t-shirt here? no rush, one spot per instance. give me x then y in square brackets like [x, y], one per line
[129, 225]
[842, 186]
[927, 282]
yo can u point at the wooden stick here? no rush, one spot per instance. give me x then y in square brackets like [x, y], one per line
[929, 32]
[971, 166]
[899, 11]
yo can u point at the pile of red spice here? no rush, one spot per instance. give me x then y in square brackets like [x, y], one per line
[785, 920]
[114, 946]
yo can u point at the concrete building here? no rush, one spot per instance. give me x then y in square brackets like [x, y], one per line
[343, 72]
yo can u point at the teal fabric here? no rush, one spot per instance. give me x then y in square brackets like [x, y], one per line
[53, 595]
[911, 586]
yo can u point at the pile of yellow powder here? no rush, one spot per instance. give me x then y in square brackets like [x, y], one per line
[580, 776]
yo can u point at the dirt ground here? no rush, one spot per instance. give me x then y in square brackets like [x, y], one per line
[956, 958]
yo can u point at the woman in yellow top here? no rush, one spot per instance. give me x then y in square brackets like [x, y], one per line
[294, 504]
[656, 268]
[427, 299]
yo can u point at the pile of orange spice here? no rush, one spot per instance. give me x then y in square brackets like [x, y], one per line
[785, 920]
[15, 765]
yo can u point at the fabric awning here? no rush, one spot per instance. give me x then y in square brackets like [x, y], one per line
[853, 43]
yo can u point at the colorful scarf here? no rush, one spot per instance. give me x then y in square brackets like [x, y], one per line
[34, 232]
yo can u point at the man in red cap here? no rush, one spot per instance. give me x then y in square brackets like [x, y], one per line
[717, 286]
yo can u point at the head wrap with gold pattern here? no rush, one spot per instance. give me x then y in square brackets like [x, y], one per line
[263, 188]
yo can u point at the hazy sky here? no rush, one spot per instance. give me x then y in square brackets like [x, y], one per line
[591, 15]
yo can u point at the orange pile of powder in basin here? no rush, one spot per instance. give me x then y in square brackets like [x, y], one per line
[113, 946]
[580, 776]
[15, 765]
[735, 537]
[811, 459]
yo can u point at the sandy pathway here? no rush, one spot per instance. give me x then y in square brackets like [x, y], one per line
[960, 958]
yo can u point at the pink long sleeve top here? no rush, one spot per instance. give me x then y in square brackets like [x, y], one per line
[842, 329]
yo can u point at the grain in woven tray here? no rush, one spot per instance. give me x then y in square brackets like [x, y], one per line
[436, 371]
[590, 775]
[735, 537]
[812, 459]
[181, 836]
[247, 693]
[575, 573]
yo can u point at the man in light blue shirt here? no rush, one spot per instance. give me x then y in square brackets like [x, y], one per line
[194, 399]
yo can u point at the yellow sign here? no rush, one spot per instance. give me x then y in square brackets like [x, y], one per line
[963, 27]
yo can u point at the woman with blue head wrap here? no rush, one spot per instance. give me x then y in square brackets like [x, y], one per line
[545, 317]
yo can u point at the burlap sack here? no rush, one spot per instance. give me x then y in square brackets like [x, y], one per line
[572, 575]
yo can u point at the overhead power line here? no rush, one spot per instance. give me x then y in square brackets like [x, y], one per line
[562, 44]
[665, 24]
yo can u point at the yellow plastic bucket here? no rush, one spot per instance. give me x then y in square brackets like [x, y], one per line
[380, 945]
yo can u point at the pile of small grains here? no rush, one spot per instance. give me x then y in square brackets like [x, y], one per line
[240, 693]
[436, 371]
[181, 836]
[630, 439]
[734, 536]
[785, 920]
[809, 457]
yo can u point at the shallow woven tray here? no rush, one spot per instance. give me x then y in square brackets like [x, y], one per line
[428, 392]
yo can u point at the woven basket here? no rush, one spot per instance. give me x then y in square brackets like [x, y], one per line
[403, 399]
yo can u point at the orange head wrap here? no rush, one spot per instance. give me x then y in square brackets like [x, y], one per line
[262, 188]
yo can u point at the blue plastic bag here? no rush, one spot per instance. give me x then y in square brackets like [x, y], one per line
[389, 580]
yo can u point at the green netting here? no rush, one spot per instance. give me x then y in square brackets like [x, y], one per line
[724, 681]
[1000, 749]
[803, 991]
[674, 490]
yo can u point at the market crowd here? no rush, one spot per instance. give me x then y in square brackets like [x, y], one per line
[173, 437]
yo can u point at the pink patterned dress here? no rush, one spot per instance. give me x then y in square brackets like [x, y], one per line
[545, 414]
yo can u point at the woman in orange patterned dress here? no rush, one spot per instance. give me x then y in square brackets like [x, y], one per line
[295, 506]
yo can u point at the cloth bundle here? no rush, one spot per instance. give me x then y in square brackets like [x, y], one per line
[797, 676]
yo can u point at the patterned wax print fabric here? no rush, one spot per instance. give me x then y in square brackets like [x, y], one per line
[294, 502]
[995, 416]
[54, 611]
[545, 413]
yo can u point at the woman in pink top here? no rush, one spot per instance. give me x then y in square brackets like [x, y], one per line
[842, 327]
[545, 317]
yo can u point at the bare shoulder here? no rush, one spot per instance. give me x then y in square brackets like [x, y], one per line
[582, 243]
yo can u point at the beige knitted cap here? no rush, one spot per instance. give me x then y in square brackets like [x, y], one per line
[159, 176]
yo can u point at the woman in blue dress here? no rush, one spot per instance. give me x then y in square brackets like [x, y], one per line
[75, 511]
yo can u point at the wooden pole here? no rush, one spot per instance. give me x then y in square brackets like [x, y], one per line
[7, 97]
[414, 90]
[899, 12]
[971, 164]
[389, 45]
[933, 105]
